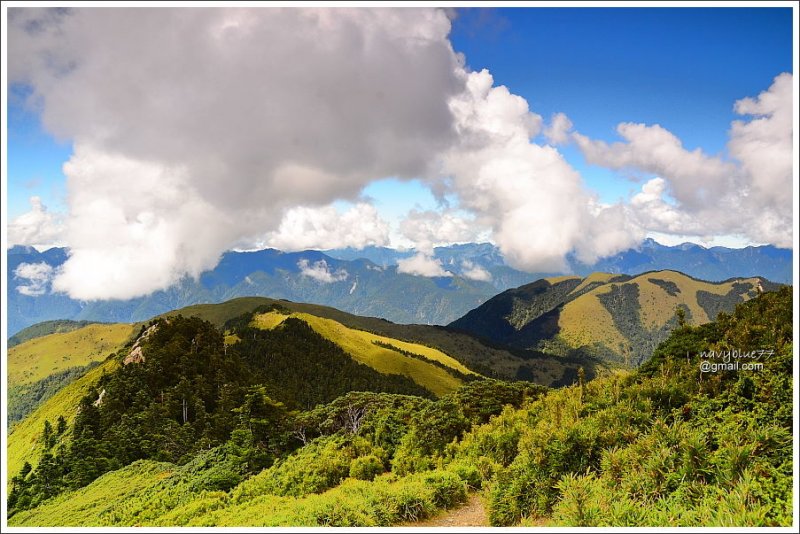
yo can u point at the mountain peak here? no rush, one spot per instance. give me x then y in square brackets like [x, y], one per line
[21, 249]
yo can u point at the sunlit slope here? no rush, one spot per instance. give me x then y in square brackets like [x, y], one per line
[42, 356]
[45, 328]
[91, 506]
[617, 318]
[364, 347]
[487, 359]
[23, 442]
[157, 494]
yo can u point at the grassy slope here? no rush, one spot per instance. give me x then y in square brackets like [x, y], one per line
[23, 443]
[585, 321]
[90, 506]
[658, 306]
[148, 493]
[471, 352]
[557, 279]
[359, 344]
[594, 278]
[45, 328]
[40, 357]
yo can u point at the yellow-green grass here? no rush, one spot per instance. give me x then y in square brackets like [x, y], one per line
[148, 493]
[218, 314]
[38, 358]
[558, 279]
[658, 307]
[91, 506]
[23, 442]
[585, 321]
[593, 279]
[268, 321]
[361, 347]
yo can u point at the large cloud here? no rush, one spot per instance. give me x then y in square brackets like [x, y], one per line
[533, 200]
[697, 194]
[196, 129]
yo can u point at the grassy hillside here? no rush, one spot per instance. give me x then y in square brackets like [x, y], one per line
[45, 328]
[617, 318]
[487, 359]
[664, 445]
[24, 444]
[383, 354]
[40, 357]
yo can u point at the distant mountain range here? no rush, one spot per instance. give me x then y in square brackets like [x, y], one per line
[367, 282]
[713, 264]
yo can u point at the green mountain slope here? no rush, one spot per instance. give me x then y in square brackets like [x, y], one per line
[42, 356]
[390, 348]
[664, 445]
[24, 443]
[44, 328]
[487, 359]
[617, 318]
[54, 354]
[428, 367]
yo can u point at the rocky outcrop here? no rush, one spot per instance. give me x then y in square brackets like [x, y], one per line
[136, 355]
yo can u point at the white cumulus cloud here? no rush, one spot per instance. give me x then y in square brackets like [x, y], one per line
[422, 264]
[475, 272]
[532, 199]
[557, 133]
[748, 194]
[196, 130]
[324, 228]
[37, 227]
[36, 276]
[321, 272]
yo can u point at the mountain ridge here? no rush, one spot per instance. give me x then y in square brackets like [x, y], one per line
[365, 282]
[618, 318]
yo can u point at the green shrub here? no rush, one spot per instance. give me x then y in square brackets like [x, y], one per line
[366, 467]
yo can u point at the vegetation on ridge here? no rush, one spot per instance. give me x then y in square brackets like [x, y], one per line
[665, 445]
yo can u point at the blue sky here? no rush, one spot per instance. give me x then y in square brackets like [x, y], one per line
[680, 68]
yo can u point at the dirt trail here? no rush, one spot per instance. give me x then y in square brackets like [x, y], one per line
[470, 514]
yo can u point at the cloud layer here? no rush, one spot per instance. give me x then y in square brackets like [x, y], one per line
[692, 193]
[199, 130]
[326, 228]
